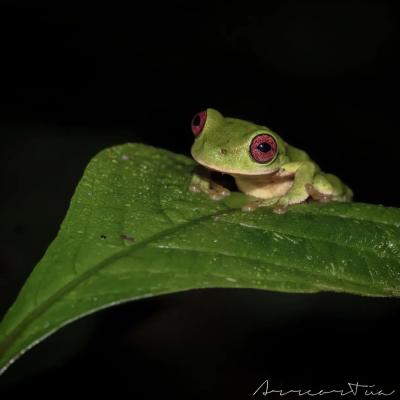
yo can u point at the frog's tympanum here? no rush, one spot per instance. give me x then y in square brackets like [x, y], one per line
[263, 165]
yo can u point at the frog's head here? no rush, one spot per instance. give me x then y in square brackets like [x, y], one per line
[233, 146]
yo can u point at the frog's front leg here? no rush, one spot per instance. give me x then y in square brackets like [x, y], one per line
[202, 182]
[304, 172]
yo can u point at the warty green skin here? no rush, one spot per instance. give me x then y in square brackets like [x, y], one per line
[291, 177]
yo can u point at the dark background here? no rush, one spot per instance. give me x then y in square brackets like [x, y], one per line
[76, 80]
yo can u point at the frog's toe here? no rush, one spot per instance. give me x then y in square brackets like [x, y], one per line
[281, 206]
[249, 207]
[224, 192]
[215, 195]
[194, 188]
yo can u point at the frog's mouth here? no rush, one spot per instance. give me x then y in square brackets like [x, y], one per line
[233, 171]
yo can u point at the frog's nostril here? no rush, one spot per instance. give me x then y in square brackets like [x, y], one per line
[223, 151]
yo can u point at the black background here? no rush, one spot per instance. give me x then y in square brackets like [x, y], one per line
[76, 80]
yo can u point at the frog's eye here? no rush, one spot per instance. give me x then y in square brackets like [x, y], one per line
[263, 148]
[198, 122]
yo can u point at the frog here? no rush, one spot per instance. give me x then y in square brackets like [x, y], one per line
[268, 170]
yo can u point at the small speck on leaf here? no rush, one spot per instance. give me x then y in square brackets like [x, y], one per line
[128, 238]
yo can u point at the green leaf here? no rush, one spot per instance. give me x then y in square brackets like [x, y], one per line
[133, 230]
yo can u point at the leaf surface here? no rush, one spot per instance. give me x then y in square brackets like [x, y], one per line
[133, 230]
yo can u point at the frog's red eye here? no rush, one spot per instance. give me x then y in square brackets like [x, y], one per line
[263, 148]
[198, 122]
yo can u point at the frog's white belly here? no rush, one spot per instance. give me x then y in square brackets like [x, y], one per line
[264, 186]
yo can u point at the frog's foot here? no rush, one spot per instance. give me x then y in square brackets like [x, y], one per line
[253, 205]
[293, 197]
[202, 183]
[317, 195]
[281, 208]
[217, 192]
[213, 190]
[282, 205]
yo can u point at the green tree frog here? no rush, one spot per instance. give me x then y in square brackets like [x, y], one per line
[263, 165]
